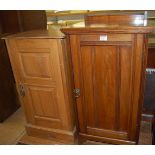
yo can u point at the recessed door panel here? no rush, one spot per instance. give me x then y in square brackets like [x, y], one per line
[45, 106]
[125, 88]
[105, 85]
[35, 65]
[44, 102]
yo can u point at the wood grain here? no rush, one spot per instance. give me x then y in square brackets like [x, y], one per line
[119, 19]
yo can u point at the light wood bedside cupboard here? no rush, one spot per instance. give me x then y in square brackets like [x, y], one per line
[41, 70]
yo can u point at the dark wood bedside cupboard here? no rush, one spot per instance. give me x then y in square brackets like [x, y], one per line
[109, 73]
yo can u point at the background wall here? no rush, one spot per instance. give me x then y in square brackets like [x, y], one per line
[71, 16]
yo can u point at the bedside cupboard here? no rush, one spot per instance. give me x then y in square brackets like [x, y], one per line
[109, 73]
[41, 71]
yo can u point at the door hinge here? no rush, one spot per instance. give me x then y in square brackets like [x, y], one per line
[21, 90]
[76, 92]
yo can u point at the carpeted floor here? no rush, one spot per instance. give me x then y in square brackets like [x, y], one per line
[13, 128]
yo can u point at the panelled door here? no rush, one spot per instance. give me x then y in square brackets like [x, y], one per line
[104, 72]
[38, 75]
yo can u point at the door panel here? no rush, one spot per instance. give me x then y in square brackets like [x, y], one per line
[35, 65]
[105, 81]
[44, 102]
[105, 85]
[88, 86]
[125, 103]
[38, 66]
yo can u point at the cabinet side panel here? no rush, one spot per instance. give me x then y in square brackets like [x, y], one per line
[67, 80]
[137, 82]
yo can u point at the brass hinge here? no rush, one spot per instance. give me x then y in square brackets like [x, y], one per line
[76, 92]
[21, 90]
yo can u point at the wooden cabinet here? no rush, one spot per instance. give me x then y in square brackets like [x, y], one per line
[38, 59]
[109, 74]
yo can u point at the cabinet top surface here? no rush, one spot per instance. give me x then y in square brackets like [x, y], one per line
[49, 34]
[103, 28]
[55, 33]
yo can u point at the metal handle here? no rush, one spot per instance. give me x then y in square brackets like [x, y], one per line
[76, 92]
[21, 90]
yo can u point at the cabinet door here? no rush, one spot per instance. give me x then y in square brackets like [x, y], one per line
[37, 69]
[104, 74]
